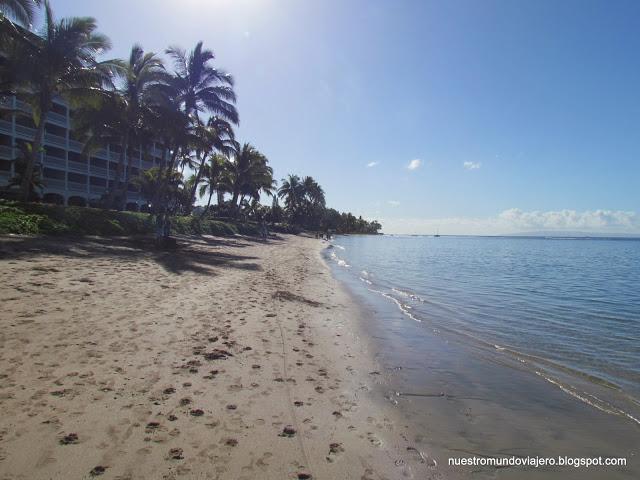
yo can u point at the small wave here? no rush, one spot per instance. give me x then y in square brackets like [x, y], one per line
[368, 282]
[338, 260]
[410, 295]
[588, 398]
[403, 307]
[339, 246]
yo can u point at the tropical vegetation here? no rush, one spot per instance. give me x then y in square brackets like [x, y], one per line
[177, 99]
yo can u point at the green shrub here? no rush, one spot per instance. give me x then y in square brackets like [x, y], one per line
[38, 218]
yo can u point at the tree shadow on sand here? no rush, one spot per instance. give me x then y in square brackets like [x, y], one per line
[192, 254]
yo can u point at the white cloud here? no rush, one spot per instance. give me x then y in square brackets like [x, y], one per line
[515, 220]
[414, 164]
[394, 203]
[372, 164]
[472, 165]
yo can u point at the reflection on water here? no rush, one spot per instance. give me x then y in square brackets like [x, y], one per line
[502, 346]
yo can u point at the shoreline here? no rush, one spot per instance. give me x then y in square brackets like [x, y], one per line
[227, 358]
[465, 400]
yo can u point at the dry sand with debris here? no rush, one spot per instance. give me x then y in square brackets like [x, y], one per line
[226, 359]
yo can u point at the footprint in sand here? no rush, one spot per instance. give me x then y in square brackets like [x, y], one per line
[176, 454]
[71, 438]
[335, 449]
[375, 441]
[97, 470]
[288, 431]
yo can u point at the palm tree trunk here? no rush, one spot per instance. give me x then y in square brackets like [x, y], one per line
[197, 181]
[116, 181]
[127, 177]
[156, 194]
[164, 183]
[25, 185]
[204, 212]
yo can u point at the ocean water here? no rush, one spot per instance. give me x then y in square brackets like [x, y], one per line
[546, 331]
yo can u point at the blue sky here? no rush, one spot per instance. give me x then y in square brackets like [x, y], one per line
[520, 115]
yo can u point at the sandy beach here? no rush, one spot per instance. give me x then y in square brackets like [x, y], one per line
[225, 359]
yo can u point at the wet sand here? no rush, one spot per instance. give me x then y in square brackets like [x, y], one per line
[463, 400]
[225, 359]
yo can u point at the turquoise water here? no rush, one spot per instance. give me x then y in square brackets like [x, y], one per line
[568, 309]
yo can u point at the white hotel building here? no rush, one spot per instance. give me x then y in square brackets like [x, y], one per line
[68, 176]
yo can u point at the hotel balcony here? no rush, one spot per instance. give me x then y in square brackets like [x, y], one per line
[6, 152]
[78, 167]
[76, 187]
[53, 184]
[5, 127]
[55, 140]
[51, 161]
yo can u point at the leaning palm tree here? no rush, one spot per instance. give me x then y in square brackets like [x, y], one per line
[22, 11]
[58, 62]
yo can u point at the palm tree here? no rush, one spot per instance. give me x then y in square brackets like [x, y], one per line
[251, 174]
[20, 163]
[140, 75]
[172, 126]
[59, 62]
[148, 182]
[216, 136]
[216, 179]
[21, 11]
[292, 190]
[313, 191]
[201, 88]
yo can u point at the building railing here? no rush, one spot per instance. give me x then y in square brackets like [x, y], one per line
[6, 152]
[102, 172]
[76, 146]
[76, 186]
[57, 118]
[53, 183]
[97, 190]
[56, 140]
[20, 105]
[50, 160]
[27, 133]
[6, 127]
[77, 166]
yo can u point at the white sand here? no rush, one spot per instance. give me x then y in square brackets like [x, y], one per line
[107, 340]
